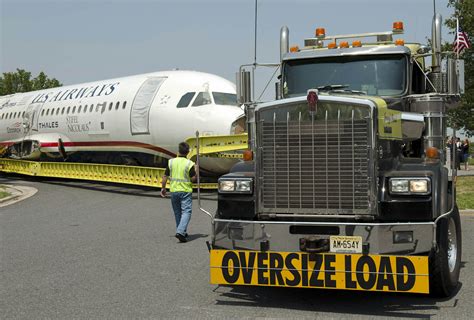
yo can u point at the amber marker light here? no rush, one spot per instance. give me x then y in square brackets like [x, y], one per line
[248, 155]
[344, 44]
[320, 32]
[356, 43]
[400, 42]
[294, 49]
[432, 153]
[398, 26]
[332, 45]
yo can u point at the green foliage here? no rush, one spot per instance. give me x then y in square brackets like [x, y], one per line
[463, 117]
[21, 81]
[465, 192]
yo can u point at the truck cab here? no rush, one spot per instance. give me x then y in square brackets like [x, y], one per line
[350, 185]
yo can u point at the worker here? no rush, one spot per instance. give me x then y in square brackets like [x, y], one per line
[182, 173]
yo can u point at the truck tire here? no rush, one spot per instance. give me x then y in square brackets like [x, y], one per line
[445, 263]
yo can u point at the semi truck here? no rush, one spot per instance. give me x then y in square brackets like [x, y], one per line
[347, 182]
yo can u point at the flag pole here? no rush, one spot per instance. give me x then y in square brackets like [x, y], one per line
[457, 38]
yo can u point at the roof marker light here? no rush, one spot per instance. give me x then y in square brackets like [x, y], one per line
[399, 42]
[344, 44]
[397, 27]
[332, 45]
[294, 49]
[320, 32]
[356, 43]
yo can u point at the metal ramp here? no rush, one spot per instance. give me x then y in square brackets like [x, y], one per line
[210, 146]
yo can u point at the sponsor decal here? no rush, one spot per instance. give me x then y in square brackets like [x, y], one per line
[48, 125]
[15, 128]
[73, 124]
[328, 270]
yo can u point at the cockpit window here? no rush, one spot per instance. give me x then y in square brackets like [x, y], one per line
[185, 100]
[228, 99]
[202, 99]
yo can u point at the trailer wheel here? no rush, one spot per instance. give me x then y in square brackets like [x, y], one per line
[445, 263]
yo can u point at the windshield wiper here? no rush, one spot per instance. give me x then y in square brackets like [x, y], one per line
[348, 91]
[331, 87]
[339, 88]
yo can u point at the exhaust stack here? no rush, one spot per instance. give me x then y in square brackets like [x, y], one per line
[436, 42]
[284, 41]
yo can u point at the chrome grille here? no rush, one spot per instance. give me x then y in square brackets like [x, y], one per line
[315, 165]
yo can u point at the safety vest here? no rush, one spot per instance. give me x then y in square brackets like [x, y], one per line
[180, 181]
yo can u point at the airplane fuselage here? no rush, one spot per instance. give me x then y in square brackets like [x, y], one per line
[133, 120]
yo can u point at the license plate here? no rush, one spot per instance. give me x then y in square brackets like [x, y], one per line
[345, 244]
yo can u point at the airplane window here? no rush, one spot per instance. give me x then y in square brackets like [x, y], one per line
[79, 109]
[42, 112]
[23, 114]
[74, 110]
[104, 106]
[228, 99]
[62, 110]
[124, 104]
[111, 105]
[68, 109]
[202, 98]
[57, 111]
[14, 115]
[47, 112]
[117, 105]
[91, 108]
[185, 100]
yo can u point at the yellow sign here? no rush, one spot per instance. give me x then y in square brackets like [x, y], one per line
[389, 121]
[328, 270]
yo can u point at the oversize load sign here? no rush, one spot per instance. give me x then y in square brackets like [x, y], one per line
[329, 270]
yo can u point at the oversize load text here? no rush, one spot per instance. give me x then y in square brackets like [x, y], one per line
[338, 271]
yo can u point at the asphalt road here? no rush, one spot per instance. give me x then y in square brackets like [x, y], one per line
[89, 250]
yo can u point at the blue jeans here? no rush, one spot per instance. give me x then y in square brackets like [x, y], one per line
[182, 203]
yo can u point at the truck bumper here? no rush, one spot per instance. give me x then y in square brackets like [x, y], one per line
[378, 238]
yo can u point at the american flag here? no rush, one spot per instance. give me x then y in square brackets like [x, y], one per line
[461, 42]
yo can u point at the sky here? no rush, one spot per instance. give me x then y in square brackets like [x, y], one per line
[78, 41]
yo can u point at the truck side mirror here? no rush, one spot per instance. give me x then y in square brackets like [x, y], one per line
[455, 76]
[277, 90]
[243, 87]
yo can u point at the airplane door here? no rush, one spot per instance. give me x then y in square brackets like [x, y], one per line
[140, 110]
[30, 119]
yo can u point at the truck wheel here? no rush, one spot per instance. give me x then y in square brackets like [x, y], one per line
[445, 264]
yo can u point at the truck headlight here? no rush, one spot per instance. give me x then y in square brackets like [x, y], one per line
[235, 185]
[418, 186]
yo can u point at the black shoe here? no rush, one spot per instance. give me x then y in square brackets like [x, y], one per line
[180, 237]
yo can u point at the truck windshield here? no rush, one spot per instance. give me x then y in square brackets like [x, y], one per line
[373, 75]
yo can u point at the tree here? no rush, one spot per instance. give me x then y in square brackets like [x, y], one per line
[463, 116]
[20, 81]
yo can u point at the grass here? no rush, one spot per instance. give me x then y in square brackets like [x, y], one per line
[3, 192]
[465, 192]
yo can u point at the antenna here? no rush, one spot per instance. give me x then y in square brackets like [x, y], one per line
[255, 35]
[434, 7]
[255, 50]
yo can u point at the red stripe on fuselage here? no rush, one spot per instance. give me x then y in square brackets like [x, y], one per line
[108, 144]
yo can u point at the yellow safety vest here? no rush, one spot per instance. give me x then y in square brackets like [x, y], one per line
[180, 181]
